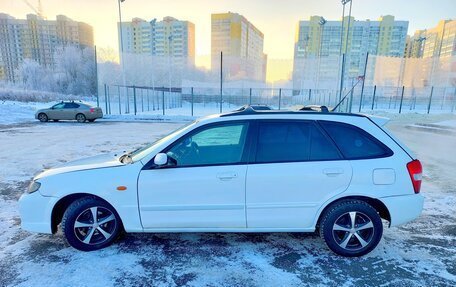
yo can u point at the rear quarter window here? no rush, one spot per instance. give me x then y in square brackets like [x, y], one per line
[354, 142]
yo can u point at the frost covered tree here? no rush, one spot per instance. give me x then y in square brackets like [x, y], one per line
[32, 75]
[74, 71]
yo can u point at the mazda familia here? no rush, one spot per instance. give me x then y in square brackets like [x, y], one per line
[339, 174]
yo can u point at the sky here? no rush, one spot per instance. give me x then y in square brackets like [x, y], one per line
[277, 19]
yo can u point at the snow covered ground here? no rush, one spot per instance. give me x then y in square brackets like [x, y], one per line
[422, 253]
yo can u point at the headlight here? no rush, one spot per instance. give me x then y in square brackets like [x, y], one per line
[34, 186]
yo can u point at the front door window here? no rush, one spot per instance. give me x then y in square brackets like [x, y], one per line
[216, 145]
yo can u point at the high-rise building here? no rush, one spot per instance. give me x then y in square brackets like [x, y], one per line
[168, 38]
[439, 41]
[242, 46]
[323, 40]
[435, 50]
[38, 39]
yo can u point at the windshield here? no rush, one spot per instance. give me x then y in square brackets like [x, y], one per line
[141, 152]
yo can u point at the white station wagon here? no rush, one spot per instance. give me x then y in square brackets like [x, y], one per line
[244, 171]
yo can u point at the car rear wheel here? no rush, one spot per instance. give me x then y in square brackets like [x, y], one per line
[80, 118]
[43, 117]
[90, 224]
[351, 228]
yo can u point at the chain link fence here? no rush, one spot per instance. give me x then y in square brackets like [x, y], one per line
[193, 101]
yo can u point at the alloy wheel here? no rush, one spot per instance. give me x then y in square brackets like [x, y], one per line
[353, 230]
[43, 117]
[95, 225]
[80, 118]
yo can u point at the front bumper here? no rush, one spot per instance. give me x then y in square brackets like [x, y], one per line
[36, 212]
[403, 208]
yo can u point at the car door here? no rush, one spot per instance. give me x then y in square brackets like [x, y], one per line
[296, 169]
[203, 185]
[56, 112]
[70, 110]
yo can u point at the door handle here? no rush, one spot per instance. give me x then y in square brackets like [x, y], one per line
[226, 175]
[333, 171]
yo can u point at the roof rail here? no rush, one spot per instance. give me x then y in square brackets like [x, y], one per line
[310, 109]
[315, 108]
[254, 107]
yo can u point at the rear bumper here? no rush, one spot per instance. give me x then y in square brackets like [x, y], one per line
[93, 116]
[403, 208]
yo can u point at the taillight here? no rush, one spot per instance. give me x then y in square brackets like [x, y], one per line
[416, 174]
[92, 110]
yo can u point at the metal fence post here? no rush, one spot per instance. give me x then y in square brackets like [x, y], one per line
[430, 99]
[120, 105]
[221, 81]
[192, 100]
[280, 97]
[109, 99]
[134, 98]
[443, 100]
[127, 106]
[98, 99]
[402, 98]
[163, 101]
[142, 100]
[148, 100]
[250, 97]
[454, 101]
[310, 94]
[364, 80]
[106, 98]
[350, 103]
[373, 97]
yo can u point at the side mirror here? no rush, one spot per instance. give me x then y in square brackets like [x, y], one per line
[161, 159]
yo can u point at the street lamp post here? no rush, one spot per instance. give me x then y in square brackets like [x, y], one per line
[170, 38]
[344, 52]
[322, 22]
[121, 46]
[120, 27]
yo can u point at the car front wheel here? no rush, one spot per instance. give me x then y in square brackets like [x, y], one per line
[90, 224]
[43, 117]
[351, 228]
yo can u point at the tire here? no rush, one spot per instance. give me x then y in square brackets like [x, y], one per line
[80, 118]
[337, 230]
[43, 117]
[91, 121]
[80, 230]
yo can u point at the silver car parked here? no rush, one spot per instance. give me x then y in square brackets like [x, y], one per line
[69, 111]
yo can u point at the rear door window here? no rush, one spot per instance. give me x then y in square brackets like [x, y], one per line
[292, 141]
[355, 143]
[71, 106]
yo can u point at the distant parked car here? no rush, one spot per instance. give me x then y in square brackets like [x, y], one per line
[70, 111]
